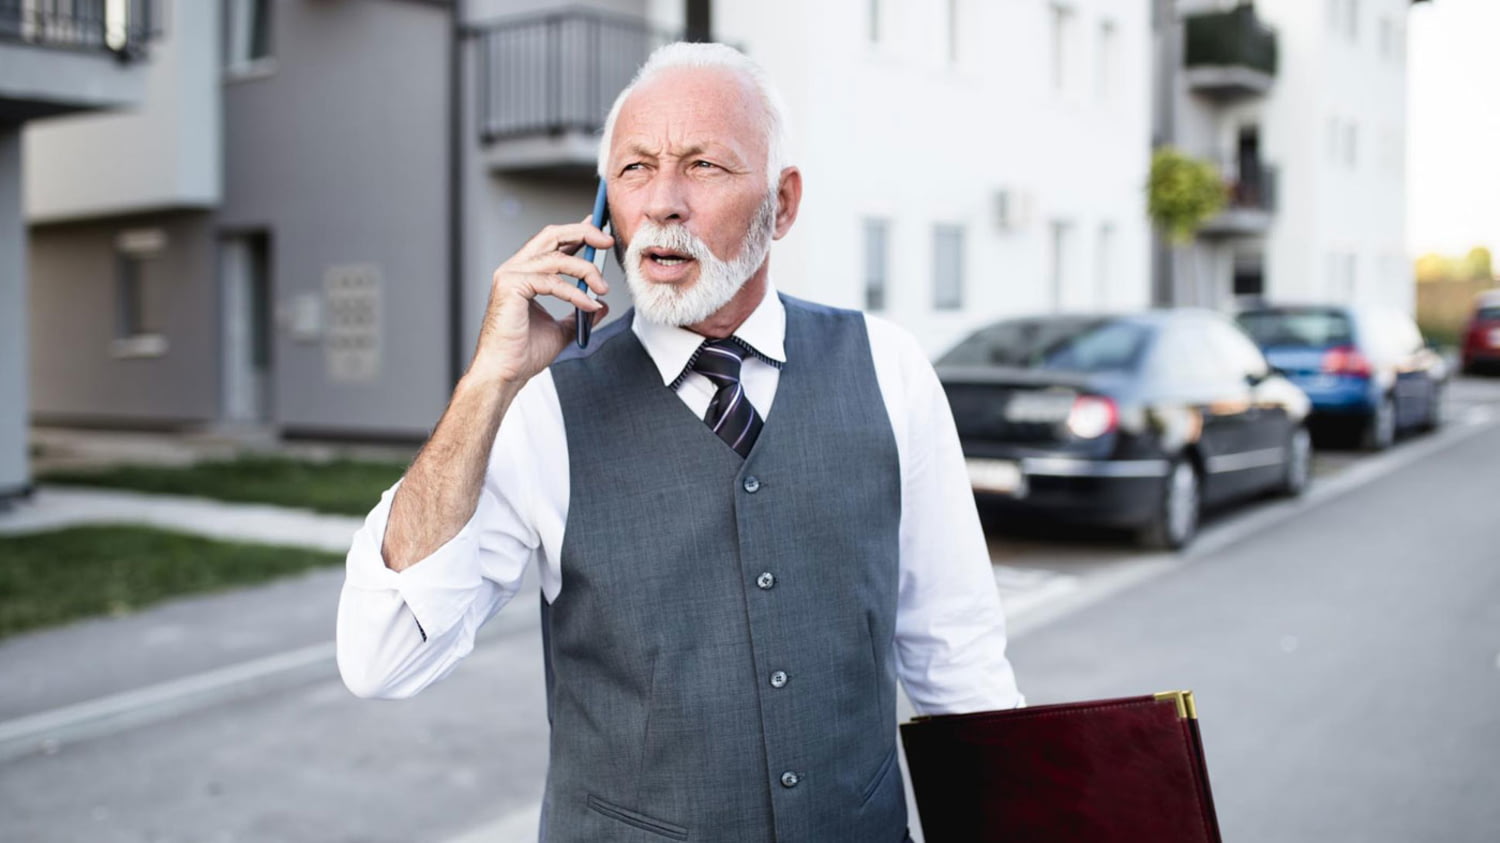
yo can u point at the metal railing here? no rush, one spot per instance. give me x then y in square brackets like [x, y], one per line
[559, 72]
[1234, 38]
[121, 27]
[1252, 188]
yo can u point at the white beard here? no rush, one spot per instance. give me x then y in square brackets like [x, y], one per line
[718, 280]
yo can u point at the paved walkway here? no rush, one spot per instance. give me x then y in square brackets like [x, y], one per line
[53, 507]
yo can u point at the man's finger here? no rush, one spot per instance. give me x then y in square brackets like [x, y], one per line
[563, 288]
[578, 268]
[567, 239]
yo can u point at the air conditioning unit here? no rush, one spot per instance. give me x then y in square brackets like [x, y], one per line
[1011, 208]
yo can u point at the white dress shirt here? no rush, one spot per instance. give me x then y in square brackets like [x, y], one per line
[399, 632]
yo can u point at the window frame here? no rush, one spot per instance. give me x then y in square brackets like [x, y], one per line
[948, 297]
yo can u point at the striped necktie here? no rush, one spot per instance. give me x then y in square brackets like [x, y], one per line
[730, 413]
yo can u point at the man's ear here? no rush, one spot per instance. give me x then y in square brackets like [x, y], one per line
[788, 199]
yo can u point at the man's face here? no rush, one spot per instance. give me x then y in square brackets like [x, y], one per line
[688, 191]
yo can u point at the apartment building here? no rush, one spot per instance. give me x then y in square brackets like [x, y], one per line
[56, 59]
[345, 176]
[1302, 105]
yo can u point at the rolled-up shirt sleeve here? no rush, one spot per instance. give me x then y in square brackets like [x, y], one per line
[399, 632]
[950, 628]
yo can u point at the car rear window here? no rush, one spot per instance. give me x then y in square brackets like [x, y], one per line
[1073, 345]
[1488, 314]
[1312, 328]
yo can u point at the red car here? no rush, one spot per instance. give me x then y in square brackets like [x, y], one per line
[1482, 338]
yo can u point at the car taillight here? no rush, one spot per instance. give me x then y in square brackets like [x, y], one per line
[1346, 360]
[1092, 416]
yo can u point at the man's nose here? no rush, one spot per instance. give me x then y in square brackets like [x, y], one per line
[666, 198]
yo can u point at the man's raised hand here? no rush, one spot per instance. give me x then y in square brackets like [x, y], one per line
[519, 338]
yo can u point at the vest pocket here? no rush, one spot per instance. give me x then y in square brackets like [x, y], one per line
[637, 820]
[880, 776]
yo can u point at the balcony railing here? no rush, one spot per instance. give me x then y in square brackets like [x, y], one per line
[121, 27]
[557, 73]
[1251, 205]
[1229, 54]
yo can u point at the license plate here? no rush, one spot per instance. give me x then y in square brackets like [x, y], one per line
[1495, 338]
[1002, 477]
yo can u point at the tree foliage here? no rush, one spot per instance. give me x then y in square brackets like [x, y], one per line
[1477, 265]
[1184, 192]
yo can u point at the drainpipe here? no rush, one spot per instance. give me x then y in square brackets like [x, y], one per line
[456, 194]
[699, 20]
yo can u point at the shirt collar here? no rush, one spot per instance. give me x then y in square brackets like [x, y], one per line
[672, 348]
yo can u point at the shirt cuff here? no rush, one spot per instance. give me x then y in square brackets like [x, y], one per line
[438, 589]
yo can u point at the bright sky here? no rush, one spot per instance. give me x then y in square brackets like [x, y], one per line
[1453, 164]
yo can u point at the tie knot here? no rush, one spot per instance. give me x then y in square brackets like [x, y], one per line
[720, 360]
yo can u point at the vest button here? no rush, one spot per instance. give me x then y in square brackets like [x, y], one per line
[779, 679]
[790, 779]
[766, 581]
[752, 484]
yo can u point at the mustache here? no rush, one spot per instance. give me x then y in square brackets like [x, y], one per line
[674, 238]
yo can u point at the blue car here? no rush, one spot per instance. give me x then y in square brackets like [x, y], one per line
[1366, 370]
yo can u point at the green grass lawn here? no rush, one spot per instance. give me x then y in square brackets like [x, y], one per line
[343, 487]
[63, 575]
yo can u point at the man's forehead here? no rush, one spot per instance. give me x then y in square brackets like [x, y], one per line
[692, 107]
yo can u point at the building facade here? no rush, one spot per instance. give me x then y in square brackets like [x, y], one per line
[55, 60]
[296, 232]
[1302, 106]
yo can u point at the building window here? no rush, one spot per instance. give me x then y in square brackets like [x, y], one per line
[1352, 24]
[877, 246]
[1062, 55]
[1105, 258]
[249, 45]
[136, 333]
[1059, 267]
[948, 267]
[953, 31]
[874, 21]
[1106, 59]
[130, 296]
[1351, 144]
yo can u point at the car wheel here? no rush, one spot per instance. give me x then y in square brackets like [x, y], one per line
[1298, 467]
[1380, 430]
[1434, 418]
[1176, 519]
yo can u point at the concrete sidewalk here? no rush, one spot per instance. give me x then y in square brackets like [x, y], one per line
[54, 507]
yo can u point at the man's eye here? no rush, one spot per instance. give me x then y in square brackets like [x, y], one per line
[628, 167]
[704, 164]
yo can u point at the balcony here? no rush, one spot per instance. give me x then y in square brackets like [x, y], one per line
[61, 56]
[1251, 205]
[546, 84]
[1229, 55]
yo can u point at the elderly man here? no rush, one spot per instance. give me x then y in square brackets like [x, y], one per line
[749, 513]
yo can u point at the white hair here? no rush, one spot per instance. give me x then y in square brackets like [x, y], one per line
[686, 54]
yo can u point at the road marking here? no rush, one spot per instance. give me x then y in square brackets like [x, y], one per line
[48, 730]
[524, 824]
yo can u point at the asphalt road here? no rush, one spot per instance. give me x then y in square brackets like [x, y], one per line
[1345, 651]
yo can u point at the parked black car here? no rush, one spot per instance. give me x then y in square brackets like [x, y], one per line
[1133, 421]
[1365, 369]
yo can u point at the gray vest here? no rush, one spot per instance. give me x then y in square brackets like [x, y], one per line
[720, 661]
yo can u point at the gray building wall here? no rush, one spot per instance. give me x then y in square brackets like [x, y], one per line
[15, 470]
[79, 372]
[340, 155]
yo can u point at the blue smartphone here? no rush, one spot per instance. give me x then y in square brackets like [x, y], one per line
[601, 219]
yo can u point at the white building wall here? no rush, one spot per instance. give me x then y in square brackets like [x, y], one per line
[164, 154]
[894, 129]
[1340, 207]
